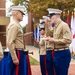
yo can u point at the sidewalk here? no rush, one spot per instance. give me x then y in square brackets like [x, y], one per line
[34, 50]
[36, 68]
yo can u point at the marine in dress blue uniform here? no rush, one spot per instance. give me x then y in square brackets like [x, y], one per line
[61, 39]
[4, 66]
[18, 59]
[3, 62]
[49, 46]
[42, 49]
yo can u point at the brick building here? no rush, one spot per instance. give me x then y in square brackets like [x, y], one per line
[29, 28]
[3, 22]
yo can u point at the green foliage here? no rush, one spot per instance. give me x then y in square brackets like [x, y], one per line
[39, 7]
[20, 2]
[24, 29]
[33, 61]
[16, 2]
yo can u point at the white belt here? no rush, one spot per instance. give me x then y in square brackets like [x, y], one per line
[60, 49]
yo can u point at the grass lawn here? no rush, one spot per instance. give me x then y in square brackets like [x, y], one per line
[33, 61]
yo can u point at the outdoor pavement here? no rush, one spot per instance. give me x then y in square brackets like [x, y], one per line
[36, 68]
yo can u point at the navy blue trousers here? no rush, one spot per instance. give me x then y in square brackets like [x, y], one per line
[49, 62]
[24, 65]
[62, 61]
[43, 64]
[4, 70]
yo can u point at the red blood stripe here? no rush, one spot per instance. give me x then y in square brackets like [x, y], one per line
[52, 53]
[29, 68]
[53, 65]
[17, 67]
[45, 64]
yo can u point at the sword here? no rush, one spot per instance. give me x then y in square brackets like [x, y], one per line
[27, 52]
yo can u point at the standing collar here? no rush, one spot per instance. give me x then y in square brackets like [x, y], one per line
[58, 22]
[17, 22]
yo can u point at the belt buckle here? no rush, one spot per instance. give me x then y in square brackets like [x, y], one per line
[66, 48]
[59, 49]
[56, 49]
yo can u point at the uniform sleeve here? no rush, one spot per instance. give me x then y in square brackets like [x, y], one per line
[42, 42]
[11, 36]
[49, 32]
[1, 51]
[67, 37]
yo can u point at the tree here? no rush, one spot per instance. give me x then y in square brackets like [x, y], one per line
[39, 7]
[17, 2]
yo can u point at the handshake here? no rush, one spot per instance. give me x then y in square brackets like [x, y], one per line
[48, 38]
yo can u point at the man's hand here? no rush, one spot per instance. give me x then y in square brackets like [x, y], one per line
[16, 62]
[51, 40]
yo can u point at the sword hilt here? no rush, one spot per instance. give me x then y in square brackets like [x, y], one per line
[27, 52]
